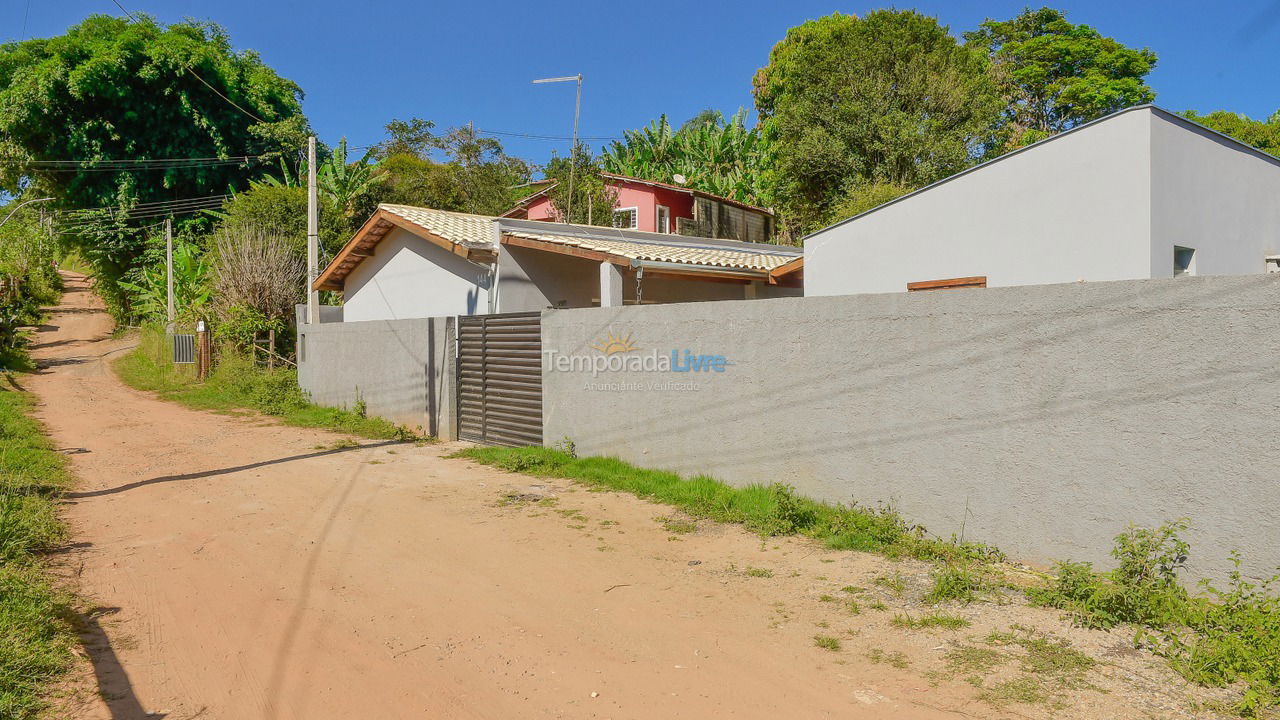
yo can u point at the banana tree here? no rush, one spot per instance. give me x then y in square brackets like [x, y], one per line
[343, 183]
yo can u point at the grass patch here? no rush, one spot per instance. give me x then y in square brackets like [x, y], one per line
[933, 620]
[770, 510]
[236, 384]
[961, 582]
[1022, 689]
[894, 583]
[973, 659]
[35, 631]
[678, 526]
[896, 658]
[1220, 637]
[758, 572]
[827, 642]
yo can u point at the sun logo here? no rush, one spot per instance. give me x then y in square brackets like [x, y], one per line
[613, 344]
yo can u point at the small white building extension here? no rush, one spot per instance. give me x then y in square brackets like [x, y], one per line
[1142, 193]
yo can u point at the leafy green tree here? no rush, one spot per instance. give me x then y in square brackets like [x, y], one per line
[115, 89]
[27, 251]
[1263, 135]
[861, 197]
[414, 136]
[890, 97]
[475, 174]
[715, 156]
[1055, 75]
[593, 200]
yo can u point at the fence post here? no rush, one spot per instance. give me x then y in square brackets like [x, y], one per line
[202, 352]
[271, 349]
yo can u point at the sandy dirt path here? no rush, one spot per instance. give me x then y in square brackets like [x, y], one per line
[241, 572]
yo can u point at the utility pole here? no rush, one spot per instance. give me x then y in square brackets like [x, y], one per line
[168, 266]
[573, 152]
[313, 235]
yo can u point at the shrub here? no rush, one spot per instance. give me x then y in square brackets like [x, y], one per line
[1223, 637]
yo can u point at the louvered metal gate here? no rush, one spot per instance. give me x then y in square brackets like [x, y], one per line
[500, 379]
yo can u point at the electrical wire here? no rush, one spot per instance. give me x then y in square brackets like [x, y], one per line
[532, 136]
[133, 165]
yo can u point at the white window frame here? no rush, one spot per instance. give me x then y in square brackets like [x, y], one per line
[658, 225]
[635, 217]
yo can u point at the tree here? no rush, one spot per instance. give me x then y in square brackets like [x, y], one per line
[112, 89]
[888, 98]
[593, 200]
[1055, 75]
[1263, 135]
[344, 184]
[715, 156]
[408, 137]
[475, 176]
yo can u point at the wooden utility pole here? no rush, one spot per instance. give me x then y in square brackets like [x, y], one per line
[313, 235]
[168, 266]
[203, 355]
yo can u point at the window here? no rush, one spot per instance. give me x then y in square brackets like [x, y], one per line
[1184, 261]
[662, 222]
[627, 218]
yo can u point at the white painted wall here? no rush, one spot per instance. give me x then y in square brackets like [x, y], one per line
[1213, 195]
[408, 277]
[1075, 207]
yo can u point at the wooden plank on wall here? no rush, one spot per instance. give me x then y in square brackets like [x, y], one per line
[976, 281]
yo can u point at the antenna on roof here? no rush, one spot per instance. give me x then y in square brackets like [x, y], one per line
[680, 179]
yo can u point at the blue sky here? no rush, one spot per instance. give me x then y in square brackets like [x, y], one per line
[363, 63]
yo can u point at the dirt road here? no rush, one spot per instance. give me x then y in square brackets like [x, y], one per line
[241, 570]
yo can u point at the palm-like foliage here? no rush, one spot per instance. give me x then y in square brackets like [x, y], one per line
[149, 294]
[343, 183]
[722, 158]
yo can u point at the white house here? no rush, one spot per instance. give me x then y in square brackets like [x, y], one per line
[410, 262]
[1142, 193]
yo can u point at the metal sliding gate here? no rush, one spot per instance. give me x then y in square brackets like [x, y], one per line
[500, 379]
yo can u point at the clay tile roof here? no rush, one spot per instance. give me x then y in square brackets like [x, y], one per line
[672, 248]
[472, 236]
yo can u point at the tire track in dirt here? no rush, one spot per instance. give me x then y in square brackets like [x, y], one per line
[259, 578]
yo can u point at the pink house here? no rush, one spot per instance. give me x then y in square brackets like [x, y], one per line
[651, 206]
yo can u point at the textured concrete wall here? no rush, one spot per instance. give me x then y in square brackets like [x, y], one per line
[1041, 419]
[402, 369]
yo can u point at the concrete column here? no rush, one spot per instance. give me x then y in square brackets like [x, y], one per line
[610, 285]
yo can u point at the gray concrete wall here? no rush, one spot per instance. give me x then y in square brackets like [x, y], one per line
[402, 369]
[1040, 419]
[1211, 194]
[1075, 207]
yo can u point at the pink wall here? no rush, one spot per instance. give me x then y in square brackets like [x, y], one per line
[644, 198]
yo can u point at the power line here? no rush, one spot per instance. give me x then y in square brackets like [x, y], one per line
[532, 136]
[193, 74]
[79, 166]
[139, 161]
